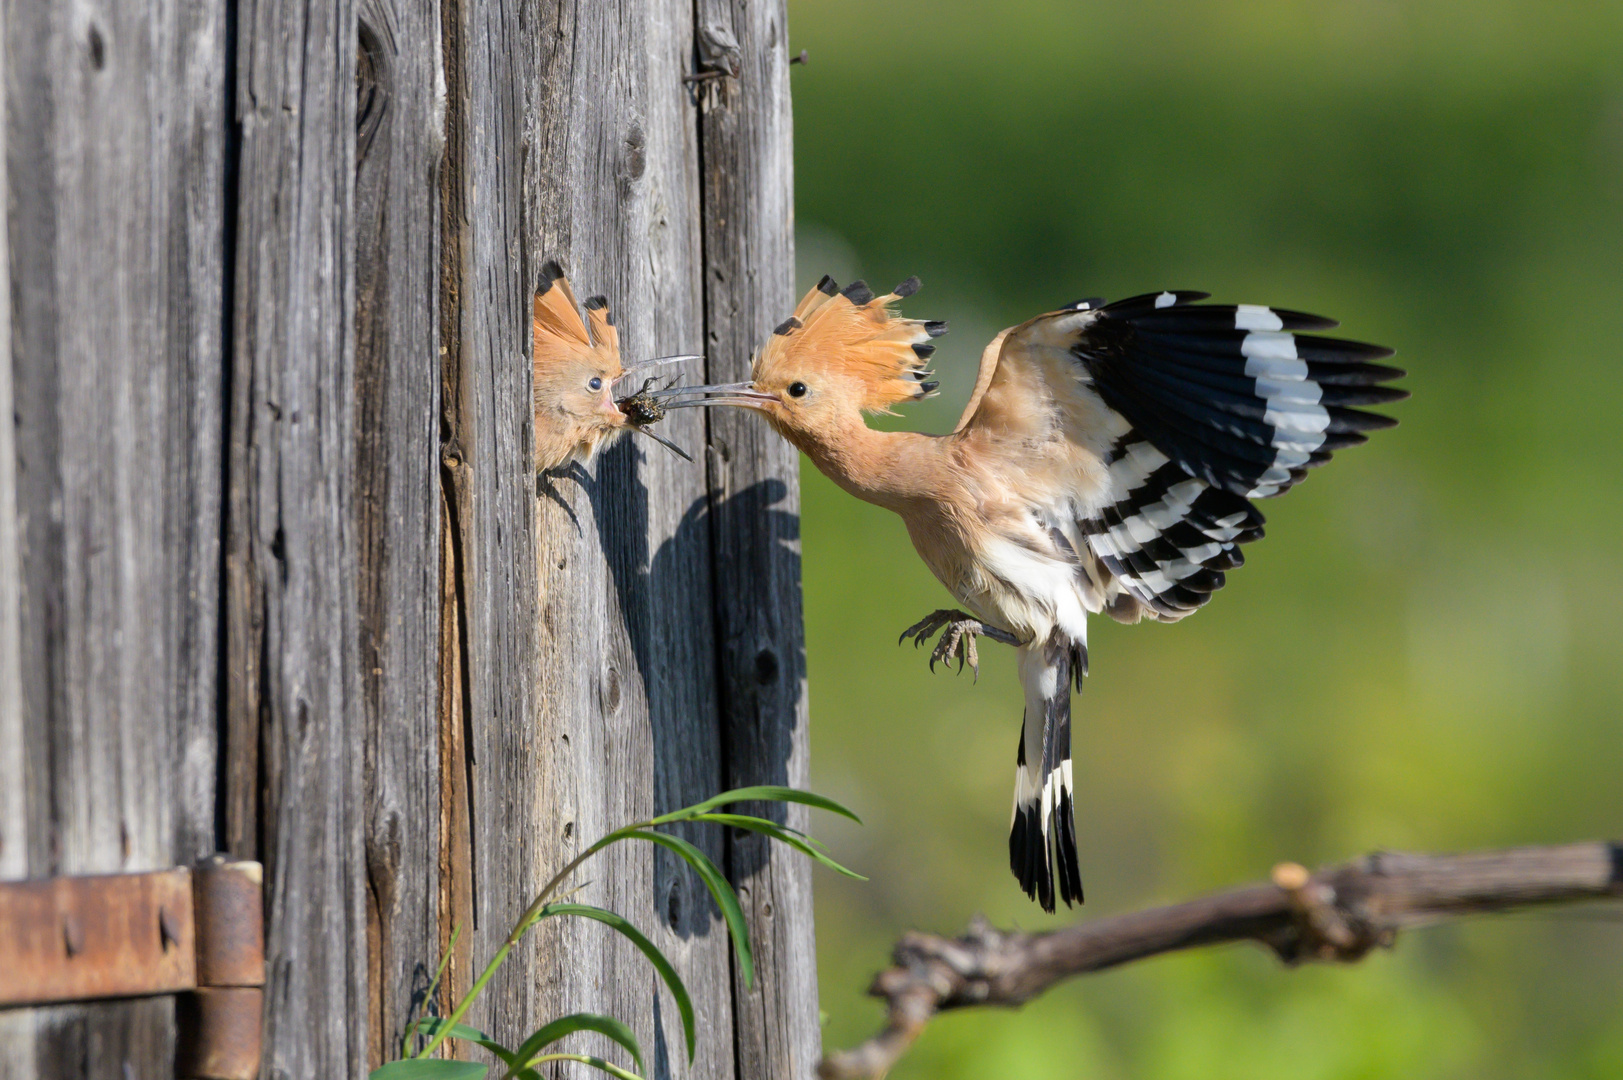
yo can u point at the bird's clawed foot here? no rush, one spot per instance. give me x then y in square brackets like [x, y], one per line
[958, 632]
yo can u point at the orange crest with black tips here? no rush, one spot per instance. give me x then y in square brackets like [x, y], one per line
[858, 335]
[572, 418]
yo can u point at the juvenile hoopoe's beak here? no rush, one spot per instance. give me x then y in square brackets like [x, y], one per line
[645, 368]
[743, 394]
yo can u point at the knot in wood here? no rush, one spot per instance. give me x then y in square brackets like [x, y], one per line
[1323, 925]
[719, 50]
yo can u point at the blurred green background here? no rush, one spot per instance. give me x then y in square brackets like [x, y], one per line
[1427, 650]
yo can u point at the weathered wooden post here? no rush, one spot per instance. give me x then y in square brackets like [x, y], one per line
[665, 663]
[275, 574]
[110, 475]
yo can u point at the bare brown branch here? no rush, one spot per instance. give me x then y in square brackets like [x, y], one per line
[1337, 914]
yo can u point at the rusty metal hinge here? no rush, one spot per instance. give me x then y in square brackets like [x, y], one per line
[197, 932]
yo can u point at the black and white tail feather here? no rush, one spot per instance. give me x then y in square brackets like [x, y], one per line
[1042, 835]
[1222, 404]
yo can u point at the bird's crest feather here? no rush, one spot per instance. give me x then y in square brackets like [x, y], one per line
[566, 350]
[561, 336]
[855, 333]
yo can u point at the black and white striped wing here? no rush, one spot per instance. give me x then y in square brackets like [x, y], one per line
[1225, 404]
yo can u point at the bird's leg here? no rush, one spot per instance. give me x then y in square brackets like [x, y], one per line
[958, 632]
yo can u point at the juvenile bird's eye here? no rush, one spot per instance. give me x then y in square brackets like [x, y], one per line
[595, 384]
[797, 389]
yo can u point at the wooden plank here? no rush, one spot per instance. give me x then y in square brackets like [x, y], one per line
[292, 528]
[666, 606]
[115, 120]
[16, 1025]
[746, 139]
[628, 709]
[13, 756]
[491, 827]
[397, 495]
[609, 711]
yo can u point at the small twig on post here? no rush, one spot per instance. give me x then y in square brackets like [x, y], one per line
[1337, 914]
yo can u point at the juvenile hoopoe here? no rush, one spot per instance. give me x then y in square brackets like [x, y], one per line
[576, 413]
[1105, 463]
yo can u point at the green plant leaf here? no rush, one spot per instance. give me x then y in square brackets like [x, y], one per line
[433, 985]
[445, 962]
[766, 793]
[596, 1063]
[431, 1026]
[720, 888]
[430, 1069]
[684, 1004]
[566, 1025]
[783, 834]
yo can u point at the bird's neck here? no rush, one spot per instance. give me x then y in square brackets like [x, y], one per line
[886, 468]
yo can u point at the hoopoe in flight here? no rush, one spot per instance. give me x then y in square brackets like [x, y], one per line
[576, 413]
[1106, 462]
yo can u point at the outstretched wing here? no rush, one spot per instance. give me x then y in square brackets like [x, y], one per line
[1192, 410]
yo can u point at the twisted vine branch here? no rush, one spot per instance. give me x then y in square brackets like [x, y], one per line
[1336, 914]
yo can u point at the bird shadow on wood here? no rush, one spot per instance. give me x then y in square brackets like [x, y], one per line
[547, 488]
[762, 669]
[698, 683]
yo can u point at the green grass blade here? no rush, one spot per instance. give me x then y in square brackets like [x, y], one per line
[434, 983]
[433, 1025]
[596, 1063]
[781, 833]
[430, 1069]
[719, 888]
[568, 1025]
[766, 793]
[445, 962]
[684, 1004]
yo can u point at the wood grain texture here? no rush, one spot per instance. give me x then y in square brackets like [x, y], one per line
[627, 705]
[614, 629]
[292, 528]
[746, 142]
[13, 757]
[400, 126]
[16, 1025]
[491, 840]
[440, 678]
[114, 135]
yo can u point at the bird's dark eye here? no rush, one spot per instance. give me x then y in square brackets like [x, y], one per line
[595, 384]
[797, 389]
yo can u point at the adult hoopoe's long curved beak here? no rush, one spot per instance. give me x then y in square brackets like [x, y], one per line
[741, 393]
